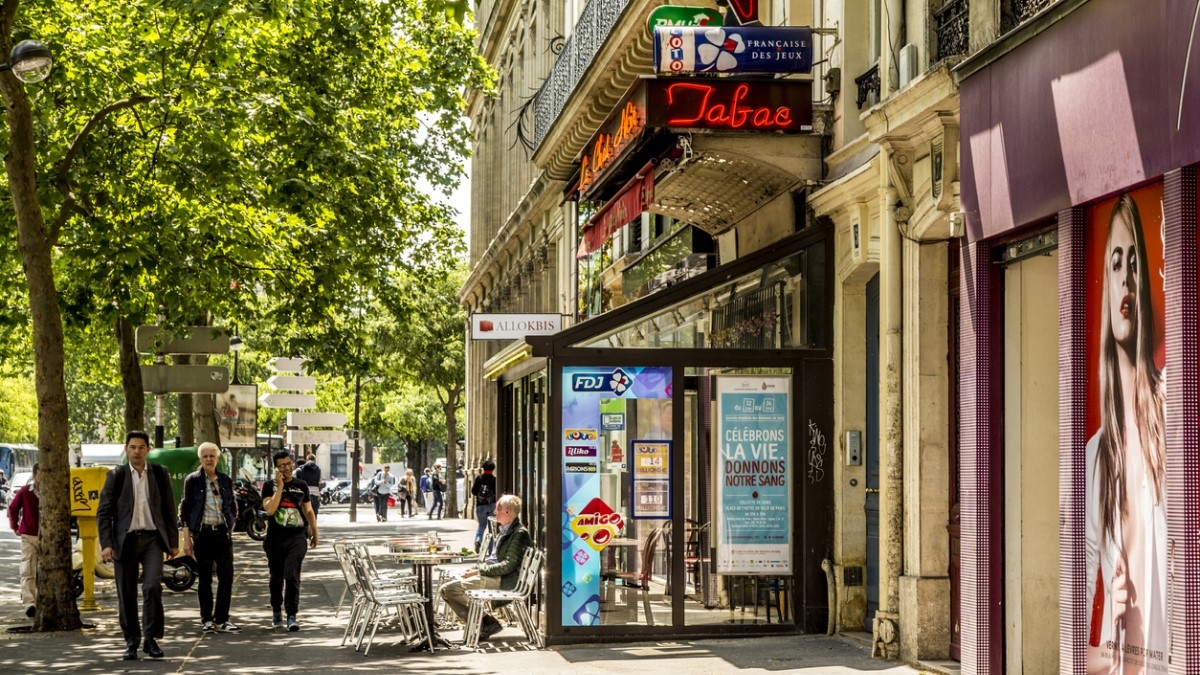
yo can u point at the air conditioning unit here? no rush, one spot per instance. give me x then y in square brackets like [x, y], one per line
[908, 64]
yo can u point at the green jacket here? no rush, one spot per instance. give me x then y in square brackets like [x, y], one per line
[509, 552]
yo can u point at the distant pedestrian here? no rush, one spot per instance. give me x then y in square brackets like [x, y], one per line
[381, 486]
[437, 488]
[406, 494]
[207, 513]
[138, 530]
[23, 517]
[485, 493]
[426, 497]
[290, 517]
[310, 473]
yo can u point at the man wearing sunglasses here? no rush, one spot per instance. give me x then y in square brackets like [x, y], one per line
[207, 514]
[291, 518]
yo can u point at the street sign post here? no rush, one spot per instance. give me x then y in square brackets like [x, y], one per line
[316, 419]
[194, 340]
[302, 383]
[161, 379]
[287, 365]
[315, 436]
[294, 401]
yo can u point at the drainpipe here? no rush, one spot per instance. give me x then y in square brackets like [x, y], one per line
[886, 625]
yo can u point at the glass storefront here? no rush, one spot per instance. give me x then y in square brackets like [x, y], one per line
[691, 486]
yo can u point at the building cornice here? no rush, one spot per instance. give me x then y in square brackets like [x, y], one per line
[540, 191]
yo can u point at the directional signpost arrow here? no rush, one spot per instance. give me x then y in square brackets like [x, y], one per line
[162, 379]
[194, 340]
[316, 419]
[315, 436]
[285, 365]
[293, 382]
[295, 401]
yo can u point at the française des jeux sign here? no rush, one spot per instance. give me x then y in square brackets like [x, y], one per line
[746, 105]
[732, 49]
[615, 139]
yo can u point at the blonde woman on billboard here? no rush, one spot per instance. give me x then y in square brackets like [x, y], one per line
[1126, 458]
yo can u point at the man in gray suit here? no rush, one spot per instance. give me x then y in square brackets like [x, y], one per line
[138, 527]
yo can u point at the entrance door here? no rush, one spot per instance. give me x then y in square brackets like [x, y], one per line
[1031, 554]
[871, 449]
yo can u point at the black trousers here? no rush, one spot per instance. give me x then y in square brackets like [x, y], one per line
[285, 555]
[141, 550]
[214, 546]
[381, 506]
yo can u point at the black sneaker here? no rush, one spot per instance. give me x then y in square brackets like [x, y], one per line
[30, 611]
[489, 629]
[277, 621]
[293, 625]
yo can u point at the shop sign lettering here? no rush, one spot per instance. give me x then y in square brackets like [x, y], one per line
[609, 146]
[782, 105]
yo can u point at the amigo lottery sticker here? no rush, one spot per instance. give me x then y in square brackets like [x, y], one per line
[597, 524]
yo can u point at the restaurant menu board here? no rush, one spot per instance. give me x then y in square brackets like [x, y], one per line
[753, 531]
[651, 479]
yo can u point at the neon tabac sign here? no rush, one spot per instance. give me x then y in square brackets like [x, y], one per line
[728, 104]
[610, 145]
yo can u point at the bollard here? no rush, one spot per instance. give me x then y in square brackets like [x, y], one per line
[86, 483]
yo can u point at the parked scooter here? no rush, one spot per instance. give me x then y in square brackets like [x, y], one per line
[251, 518]
[179, 573]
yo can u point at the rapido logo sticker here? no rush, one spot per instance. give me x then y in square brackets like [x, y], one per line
[597, 524]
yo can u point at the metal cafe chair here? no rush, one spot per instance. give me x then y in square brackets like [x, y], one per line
[531, 565]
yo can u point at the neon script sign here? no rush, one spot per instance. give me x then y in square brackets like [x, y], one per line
[611, 144]
[784, 105]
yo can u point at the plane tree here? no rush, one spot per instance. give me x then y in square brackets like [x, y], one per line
[253, 163]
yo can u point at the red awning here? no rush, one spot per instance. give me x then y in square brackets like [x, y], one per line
[629, 203]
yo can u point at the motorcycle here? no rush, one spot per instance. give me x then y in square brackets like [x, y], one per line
[330, 492]
[251, 518]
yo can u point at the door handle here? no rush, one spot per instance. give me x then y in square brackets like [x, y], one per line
[872, 491]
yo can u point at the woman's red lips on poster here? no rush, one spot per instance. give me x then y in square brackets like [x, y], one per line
[1126, 305]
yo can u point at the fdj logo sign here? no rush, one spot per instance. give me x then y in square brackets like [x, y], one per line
[615, 381]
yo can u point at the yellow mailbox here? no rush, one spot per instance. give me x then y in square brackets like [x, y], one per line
[86, 484]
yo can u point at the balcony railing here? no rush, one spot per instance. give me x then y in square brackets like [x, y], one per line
[592, 29]
[1016, 12]
[868, 83]
[953, 28]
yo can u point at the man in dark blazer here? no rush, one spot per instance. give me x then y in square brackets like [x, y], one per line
[138, 528]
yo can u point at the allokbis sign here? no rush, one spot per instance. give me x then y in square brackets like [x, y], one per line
[513, 326]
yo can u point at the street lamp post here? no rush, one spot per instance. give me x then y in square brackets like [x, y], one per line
[30, 61]
[354, 457]
[235, 345]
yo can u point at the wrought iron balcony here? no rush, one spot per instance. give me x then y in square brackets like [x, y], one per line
[1016, 12]
[953, 28]
[868, 83]
[591, 31]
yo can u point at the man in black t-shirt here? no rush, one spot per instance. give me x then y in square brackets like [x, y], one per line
[290, 518]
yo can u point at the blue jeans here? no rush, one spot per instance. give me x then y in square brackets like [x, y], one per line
[482, 513]
[437, 505]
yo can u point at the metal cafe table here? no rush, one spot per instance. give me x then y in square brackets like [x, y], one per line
[423, 561]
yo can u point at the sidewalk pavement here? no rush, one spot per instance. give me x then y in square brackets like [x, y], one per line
[257, 648]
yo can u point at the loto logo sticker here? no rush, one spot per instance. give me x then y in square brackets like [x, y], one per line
[597, 524]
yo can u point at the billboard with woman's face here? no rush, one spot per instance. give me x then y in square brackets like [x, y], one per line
[1126, 505]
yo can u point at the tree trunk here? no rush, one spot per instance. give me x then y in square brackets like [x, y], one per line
[449, 409]
[205, 412]
[56, 601]
[184, 413]
[131, 377]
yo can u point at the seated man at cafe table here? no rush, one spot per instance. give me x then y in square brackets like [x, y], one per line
[499, 570]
